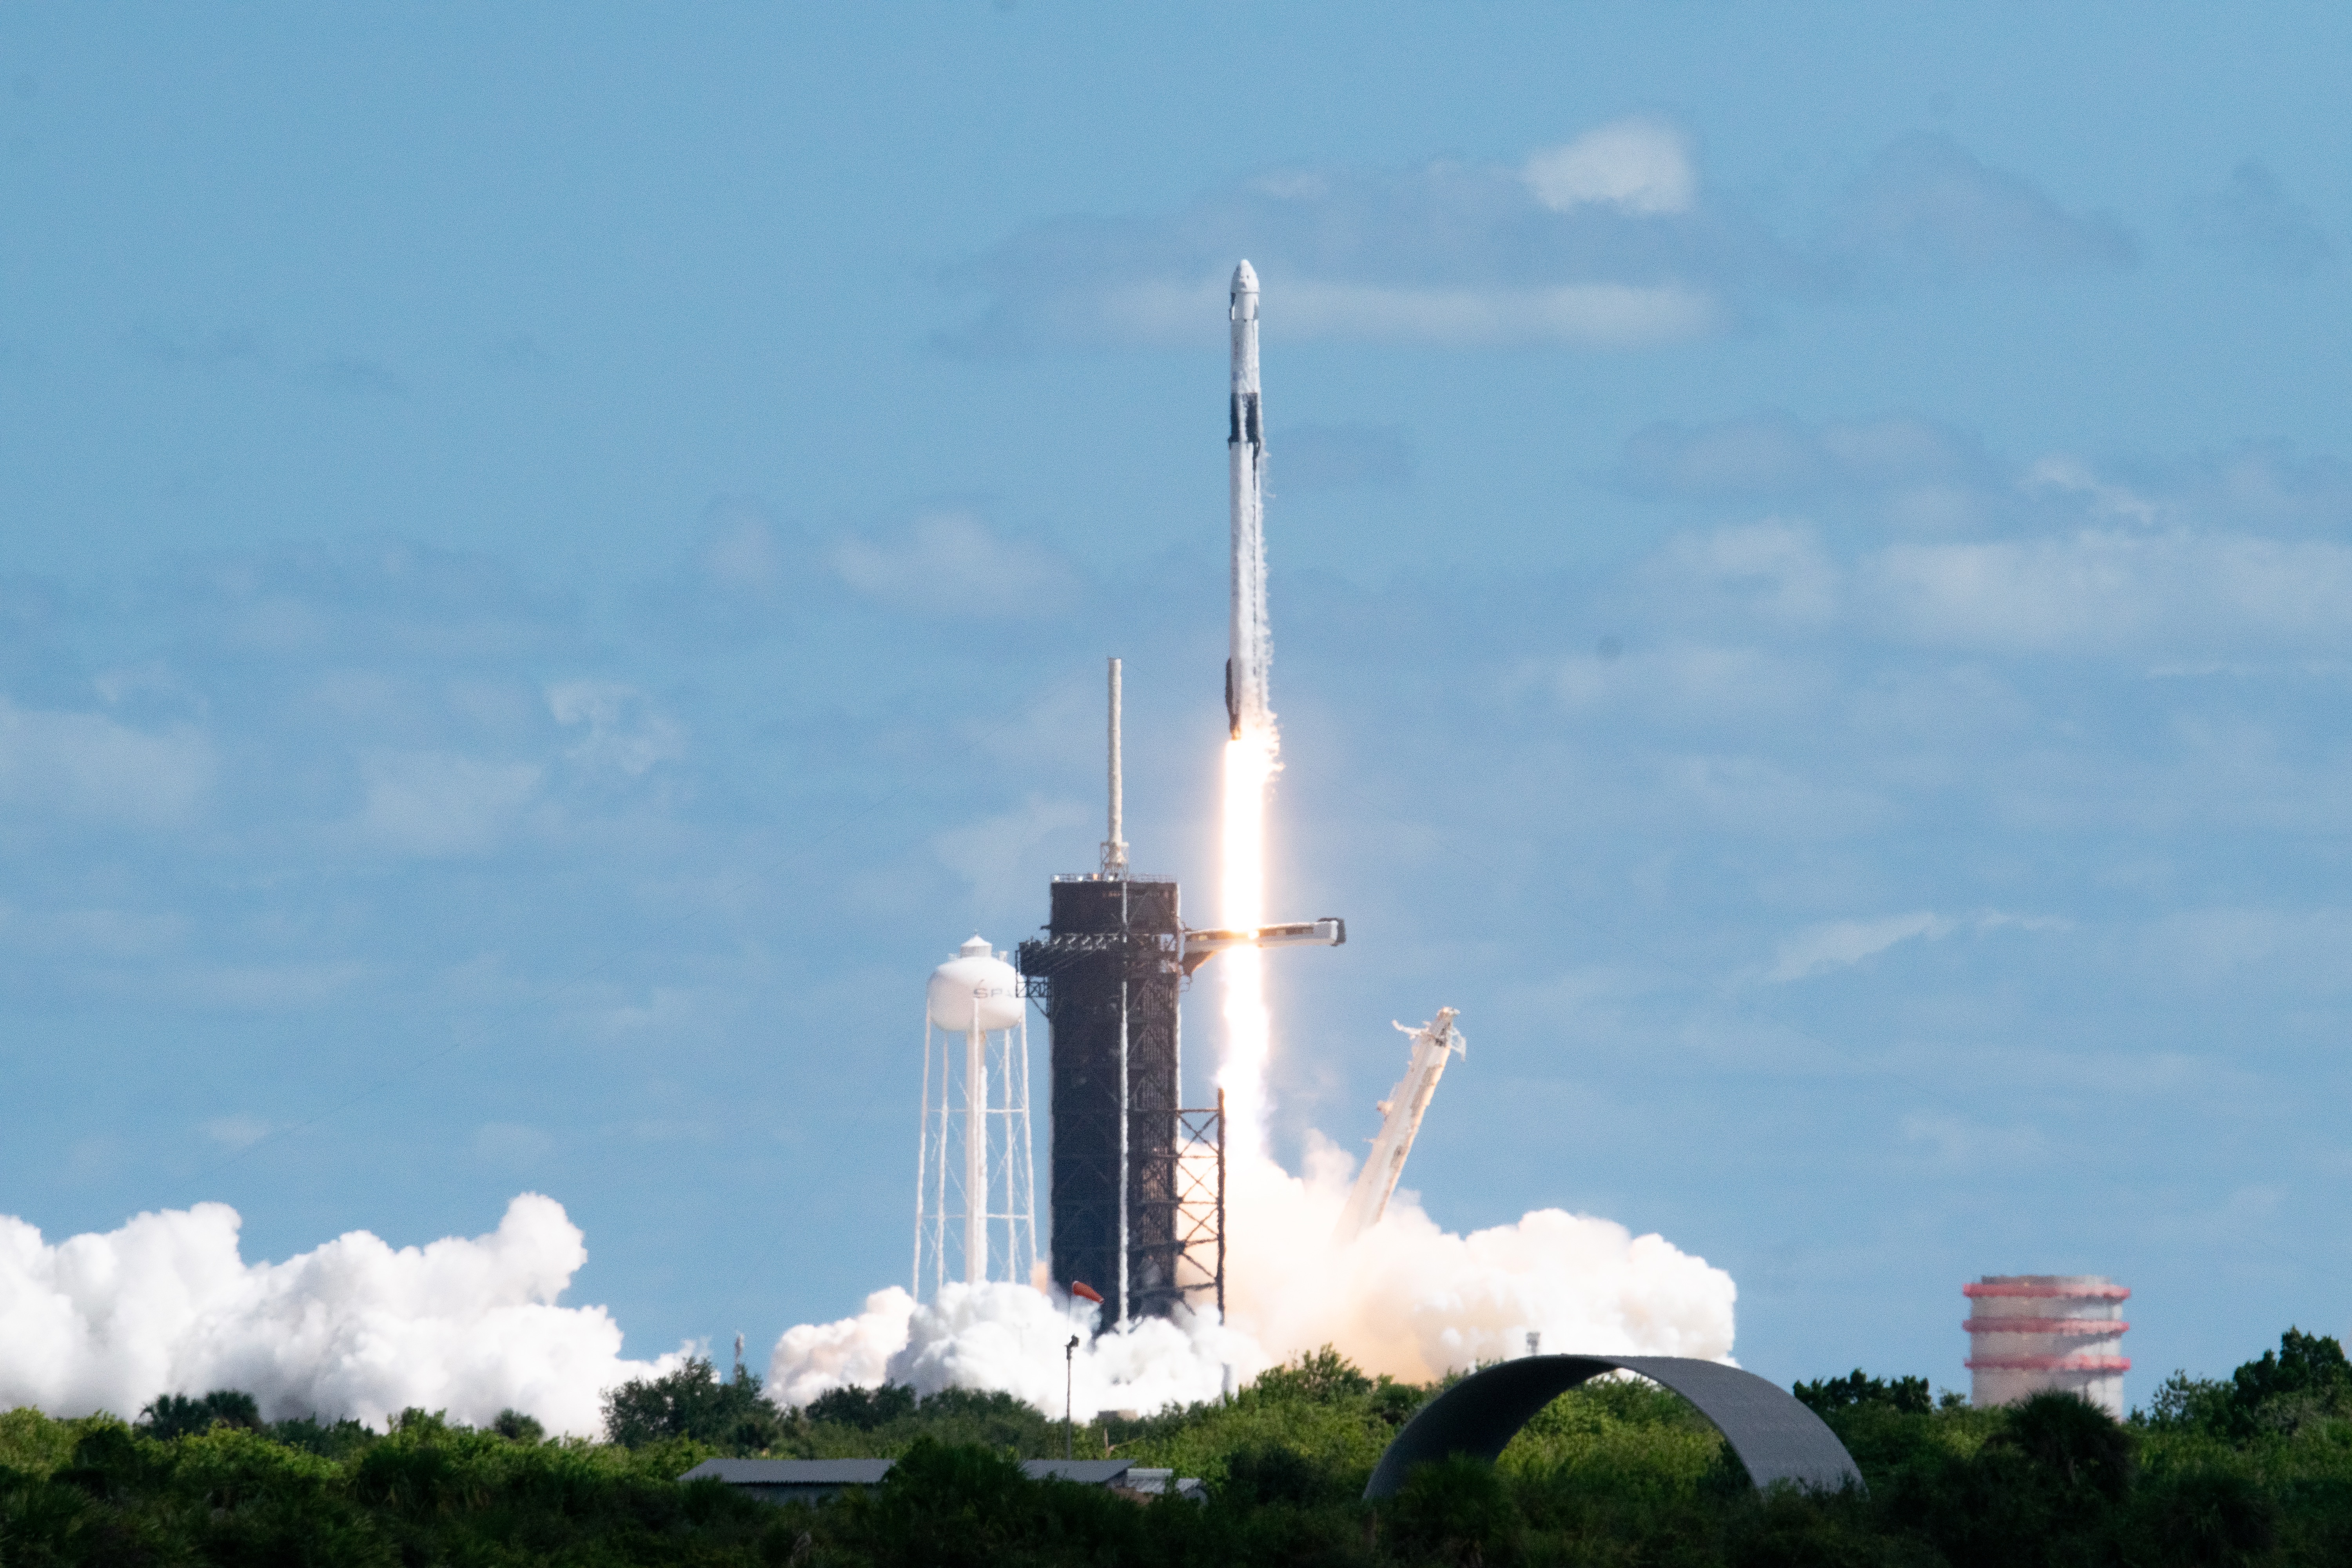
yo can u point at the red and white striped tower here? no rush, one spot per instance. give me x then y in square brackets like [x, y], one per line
[2028, 1332]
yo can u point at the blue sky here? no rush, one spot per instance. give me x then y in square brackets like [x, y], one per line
[556, 560]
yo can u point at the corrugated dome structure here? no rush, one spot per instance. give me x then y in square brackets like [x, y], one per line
[1776, 1438]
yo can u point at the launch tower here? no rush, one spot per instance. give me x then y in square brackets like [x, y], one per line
[1109, 966]
[1132, 1215]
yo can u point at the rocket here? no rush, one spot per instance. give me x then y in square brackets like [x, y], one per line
[1252, 652]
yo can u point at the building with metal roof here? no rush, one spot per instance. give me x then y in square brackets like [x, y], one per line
[814, 1480]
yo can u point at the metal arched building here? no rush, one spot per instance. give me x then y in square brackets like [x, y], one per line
[1775, 1437]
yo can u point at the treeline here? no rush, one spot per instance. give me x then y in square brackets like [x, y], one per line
[2255, 1468]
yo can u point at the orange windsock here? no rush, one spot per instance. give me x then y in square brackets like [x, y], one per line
[1086, 1292]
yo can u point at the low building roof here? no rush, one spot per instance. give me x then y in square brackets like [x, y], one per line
[791, 1472]
[1086, 1472]
[869, 1472]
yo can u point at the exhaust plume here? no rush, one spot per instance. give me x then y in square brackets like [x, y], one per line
[167, 1305]
[1405, 1298]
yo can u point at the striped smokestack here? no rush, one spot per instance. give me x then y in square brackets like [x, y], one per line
[2028, 1332]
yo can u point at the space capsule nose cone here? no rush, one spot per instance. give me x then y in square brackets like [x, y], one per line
[1245, 279]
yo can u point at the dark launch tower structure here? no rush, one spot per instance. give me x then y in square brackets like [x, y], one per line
[1107, 973]
[1137, 1189]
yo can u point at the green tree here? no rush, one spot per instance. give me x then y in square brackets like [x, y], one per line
[517, 1427]
[863, 1408]
[1454, 1510]
[2306, 1379]
[1908, 1394]
[733, 1417]
[1316, 1377]
[178, 1416]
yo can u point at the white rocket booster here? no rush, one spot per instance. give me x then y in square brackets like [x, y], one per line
[1252, 654]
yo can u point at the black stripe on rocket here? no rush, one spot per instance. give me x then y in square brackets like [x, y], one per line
[1238, 420]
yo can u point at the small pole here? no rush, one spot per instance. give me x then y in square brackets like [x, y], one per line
[1220, 1204]
[1069, 1387]
[1114, 849]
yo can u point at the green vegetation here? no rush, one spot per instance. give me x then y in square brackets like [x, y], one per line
[2254, 1469]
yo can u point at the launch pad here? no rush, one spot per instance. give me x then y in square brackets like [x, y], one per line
[1137, 1189]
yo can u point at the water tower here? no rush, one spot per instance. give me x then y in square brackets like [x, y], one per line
[976, 1181]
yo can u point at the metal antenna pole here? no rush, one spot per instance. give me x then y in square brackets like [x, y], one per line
[922, 1157]
[1220, 1205]
[1114, 849]
[976, 1149]
[1069, 1388]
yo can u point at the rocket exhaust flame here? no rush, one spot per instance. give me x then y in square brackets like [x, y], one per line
[1241, 905]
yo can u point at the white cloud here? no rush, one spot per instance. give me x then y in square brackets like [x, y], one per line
[999, 856]
[1925, 202]
[741, 551]
[440, 804]
[1775, 455]
[2110, 590]
[1956, 1143]
[625, 733]
[239, 1132]
[1581, 315]
[2252, 218]
[1757, 795]
[1836, 944]
[1600, 243]
[271, 986]
[87, 766]
[2071, 475]
[91, 934]
[1839, 944]
[1702, 682]
[511, 1144]
[1641, 165]
[951, 564]
[1776, 569]
[1586, 315]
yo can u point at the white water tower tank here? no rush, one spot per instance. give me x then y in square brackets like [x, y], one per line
[975, 981]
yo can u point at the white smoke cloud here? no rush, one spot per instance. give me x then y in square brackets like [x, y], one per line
[1405, 1298]
[1010, 1338]
[1642, 165]
[167, 1305]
